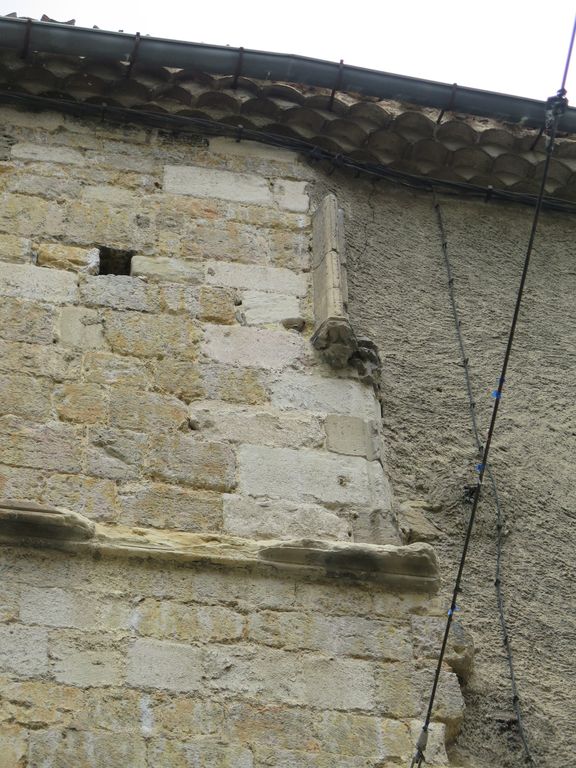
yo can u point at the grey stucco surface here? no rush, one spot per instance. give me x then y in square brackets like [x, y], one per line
[399, 297]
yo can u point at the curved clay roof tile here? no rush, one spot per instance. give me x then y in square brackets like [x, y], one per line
[348, 131]
[414, 126]
[455, 135]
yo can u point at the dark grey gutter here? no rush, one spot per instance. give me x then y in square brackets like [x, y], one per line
[47, 37]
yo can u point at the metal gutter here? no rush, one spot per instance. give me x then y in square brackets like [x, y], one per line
[28, 36]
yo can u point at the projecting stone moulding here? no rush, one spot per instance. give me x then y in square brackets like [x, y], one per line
[333, 333]
[413, 567]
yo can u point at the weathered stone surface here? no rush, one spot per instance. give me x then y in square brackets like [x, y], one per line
[90, 749]
[258, 347]
[83, 403]
[291, 195]
[20, 483]
[259, 307]
[25, 396]
[205, 752]
[163, 268]
[169, 620]
[55, 607]
[178, 298]
[167, 506]
[50, 446]
[165, 665]
[179, 377]
[40, 360]
[31, 520]
[30, 216]
[84, 660]
[341, 636]
[59, 256]
[119, 292]
[141, 335]
[428, 633]
[352, 436]
[234, 384]
[14, 740]
[213, 182]
[259, 426]
[16, 249]
[254, 518]
[218, 305]
[414, 525]
[185, 459]
[327, 230]
[351, 734]
[26, 321]
[24, 281]
[23, 650]
[90, 496]
[324, 395]
[115, 453]
[107, 368]
[47, 154]
[436, 747]
[272, 279]
[449, 704]
[304, 475]
[131, 408]
[79, 327]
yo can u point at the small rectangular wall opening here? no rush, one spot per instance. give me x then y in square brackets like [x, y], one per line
[114, 261]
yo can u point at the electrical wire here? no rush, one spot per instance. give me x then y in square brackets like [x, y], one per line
[555, 106]
[499, 513]
[204, 126]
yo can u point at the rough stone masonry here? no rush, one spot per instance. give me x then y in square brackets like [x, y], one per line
[157, 374]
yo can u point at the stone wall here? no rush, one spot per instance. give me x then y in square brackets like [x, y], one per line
[157, 374]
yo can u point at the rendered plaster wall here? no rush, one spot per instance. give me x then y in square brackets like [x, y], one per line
[186, 396]
[399, 298]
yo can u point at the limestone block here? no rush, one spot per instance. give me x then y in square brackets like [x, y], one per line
[14, 741]
[40, 701]
[145, 411]
[291, 195]
[169, 620]
[436, 748]
[142, 335]
[107, 368]
[85, 660]
[30, 216]
[397, 693]
[284, 758]
[119, 292]
[256, 347]
[93, 222]
[178, 298]
[272, 279]
[203, 752]
[304, 679]
[259, 307]
[233, 384]
[165, 665]
[26, 321]
[25, 396]
[216, 183]
[187, 717]
[51, 446]
[185, 459]
[179, 377]
[58, 256]
[167, 506]
[114, 195]
[228, 146]
[218, 305]
[23, 650]
[90, 496]
[327, 230]
[351, 436]
[89, 749]
[304, 475]
[55, 607]
[17, 249]
[280, 727]
[82, 328]
[114, 453]
[260, 426]
[253, 518]
[335, 635]
[449, 704]
[39, 360]
[47, 153]
[414, 525]
[83, 403]
[18, 483]
[324, 395]
[348, 733]
[159, 268]
[25, 281]
[428, 633]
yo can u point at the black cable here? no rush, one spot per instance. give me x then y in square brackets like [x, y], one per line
[490, 474]
[555, 106]
[205, 126]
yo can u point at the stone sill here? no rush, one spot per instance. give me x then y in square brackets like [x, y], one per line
[412, 567]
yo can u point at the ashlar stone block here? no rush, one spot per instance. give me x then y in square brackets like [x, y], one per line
[271, 279]
[324, 395]
[25, 281]
[217, 183]
[59, 256]
[164, 665]
[257, 347]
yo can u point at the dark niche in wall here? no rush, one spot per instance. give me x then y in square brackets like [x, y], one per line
[114, 261]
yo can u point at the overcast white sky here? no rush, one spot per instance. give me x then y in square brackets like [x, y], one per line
[511, 46]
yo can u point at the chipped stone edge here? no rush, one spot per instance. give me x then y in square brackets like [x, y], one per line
[412, 567]
[333, 334]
